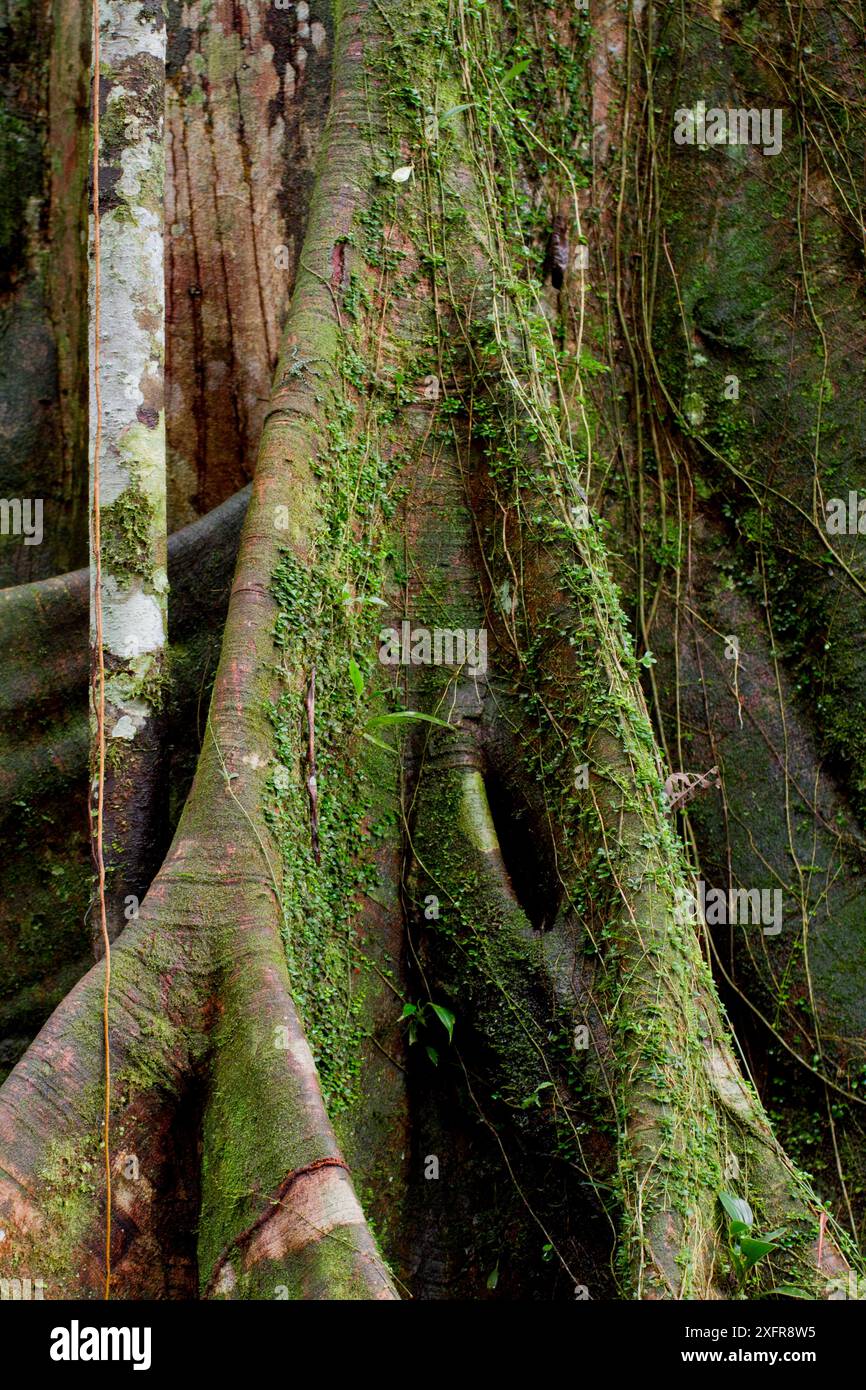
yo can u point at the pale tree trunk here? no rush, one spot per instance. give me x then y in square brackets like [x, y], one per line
[127, 415]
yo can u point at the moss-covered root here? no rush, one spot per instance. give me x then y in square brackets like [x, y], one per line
[52, 1193]
[479, 941]
[302, 1235]
[687, 1119]
[690, 1125]
[478, 946]
[278, 1215]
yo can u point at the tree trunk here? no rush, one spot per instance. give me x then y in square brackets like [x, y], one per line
[43, 371]
[426, 915]
[128, 621]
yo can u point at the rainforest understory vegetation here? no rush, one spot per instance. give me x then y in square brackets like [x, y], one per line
[469, 473]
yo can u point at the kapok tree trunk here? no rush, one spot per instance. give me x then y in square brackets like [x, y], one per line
[422, 451]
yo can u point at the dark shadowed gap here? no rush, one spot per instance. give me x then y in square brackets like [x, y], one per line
[527, 850]
[178, 1199]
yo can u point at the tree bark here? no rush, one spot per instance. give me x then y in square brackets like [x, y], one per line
[129, 607]
[43, 372]
[423, 910]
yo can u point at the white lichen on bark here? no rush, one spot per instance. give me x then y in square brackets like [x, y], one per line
[132, 349]
[132, 454]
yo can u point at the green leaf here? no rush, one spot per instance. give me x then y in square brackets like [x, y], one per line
[754, 1250]
[737, 1208]
[445, 1017]
[535, 1097]
[590, 364]
[433, 1055]
[409, 1010]
[379, 744]
[454, 110]
[493, 1276]
[357, 678]
[792, 1292]
[516, 71]
[400, 716]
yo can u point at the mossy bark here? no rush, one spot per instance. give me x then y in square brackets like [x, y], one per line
[542, 1015]
[747, 421]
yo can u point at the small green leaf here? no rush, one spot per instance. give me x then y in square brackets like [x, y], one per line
[445, 1017]
[737, 1208]
[357, 678]
[409, 1010]
[400, 716]
[754, 1250]
[379, 744]
[433, 1055]
[792, 1291]
[516, 71]
[535, 1097]
[493, 1276]
[454, 110]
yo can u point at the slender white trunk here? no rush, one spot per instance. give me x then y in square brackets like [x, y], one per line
[132, 513]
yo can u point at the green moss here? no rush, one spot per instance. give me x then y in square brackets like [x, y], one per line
[69, 1197]
[127, 536]
[325, 621]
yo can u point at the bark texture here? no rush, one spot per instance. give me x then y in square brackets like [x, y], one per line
[127, 430]
[423, 914]
[43, 321]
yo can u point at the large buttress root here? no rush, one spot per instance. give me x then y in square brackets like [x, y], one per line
[686, 1121]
